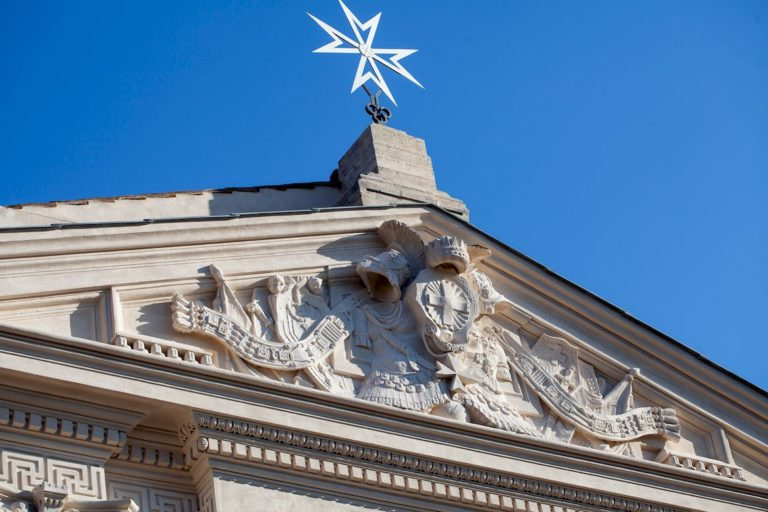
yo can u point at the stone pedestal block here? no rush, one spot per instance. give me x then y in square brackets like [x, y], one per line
[387, 166]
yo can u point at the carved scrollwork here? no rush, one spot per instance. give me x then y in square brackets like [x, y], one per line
[318, 335]
[416, 326]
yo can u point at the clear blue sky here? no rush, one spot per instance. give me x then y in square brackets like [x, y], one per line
[622, 144]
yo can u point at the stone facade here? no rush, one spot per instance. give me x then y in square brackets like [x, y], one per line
[345, 345]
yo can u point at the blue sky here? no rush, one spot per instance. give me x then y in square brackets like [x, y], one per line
[624, 145]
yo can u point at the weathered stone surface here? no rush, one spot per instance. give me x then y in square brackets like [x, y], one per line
[200, 203]
[388, 166]
[415, 334]
[343, 358]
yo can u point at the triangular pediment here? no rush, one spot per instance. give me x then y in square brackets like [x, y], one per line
[406, 307]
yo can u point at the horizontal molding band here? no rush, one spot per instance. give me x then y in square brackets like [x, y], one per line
[20, 419]
[198, 433]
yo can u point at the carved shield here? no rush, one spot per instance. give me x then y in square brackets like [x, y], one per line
[448, 304]
[445, 304]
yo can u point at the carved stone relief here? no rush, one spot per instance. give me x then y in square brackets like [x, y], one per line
[49, 497]
[423, 321]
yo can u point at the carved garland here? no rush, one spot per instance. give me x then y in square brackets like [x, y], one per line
[403, 461]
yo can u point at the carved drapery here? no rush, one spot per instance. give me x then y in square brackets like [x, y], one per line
[417, 322]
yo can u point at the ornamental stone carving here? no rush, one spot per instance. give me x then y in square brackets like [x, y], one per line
[254, 443]
[422, 325]
[49, 497]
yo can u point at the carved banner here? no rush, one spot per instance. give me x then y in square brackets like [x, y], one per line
[315, 346]
[630, 425]
[418, 341]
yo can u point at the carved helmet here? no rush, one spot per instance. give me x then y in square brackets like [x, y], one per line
[448, 251]
[384, 275]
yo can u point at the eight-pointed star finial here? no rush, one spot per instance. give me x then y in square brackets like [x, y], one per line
[369, 56]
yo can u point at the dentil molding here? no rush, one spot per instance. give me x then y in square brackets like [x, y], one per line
[254, 443]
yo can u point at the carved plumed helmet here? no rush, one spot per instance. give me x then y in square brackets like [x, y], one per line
[448, 251]
[385, 275]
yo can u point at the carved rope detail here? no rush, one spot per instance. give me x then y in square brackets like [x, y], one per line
[49, 424]
[209, 444]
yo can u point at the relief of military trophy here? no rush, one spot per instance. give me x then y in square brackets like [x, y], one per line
[418, 319]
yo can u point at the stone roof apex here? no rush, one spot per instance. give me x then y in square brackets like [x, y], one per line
[383, 167]
[386, 166]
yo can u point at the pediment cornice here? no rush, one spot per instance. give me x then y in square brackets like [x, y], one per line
[29, 251]
[133, 375]
[492, 343]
